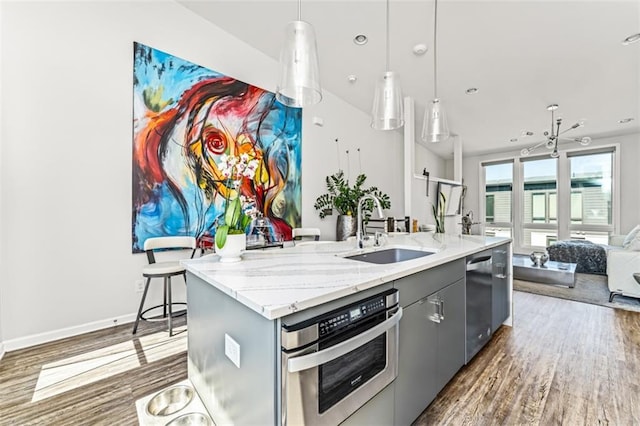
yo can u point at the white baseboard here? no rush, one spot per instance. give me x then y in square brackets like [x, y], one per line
[49, 336]
[1, 350]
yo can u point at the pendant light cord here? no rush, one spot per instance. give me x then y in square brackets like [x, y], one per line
[435, 49]
[299, 10]
[387, 35]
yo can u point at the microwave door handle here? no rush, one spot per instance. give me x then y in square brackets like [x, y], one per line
[315, 359]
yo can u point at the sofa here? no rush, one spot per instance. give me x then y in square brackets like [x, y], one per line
[623, 260]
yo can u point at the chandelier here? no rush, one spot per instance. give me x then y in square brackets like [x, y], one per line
[554, 135]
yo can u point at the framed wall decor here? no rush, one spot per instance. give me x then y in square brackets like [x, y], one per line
[187, 121]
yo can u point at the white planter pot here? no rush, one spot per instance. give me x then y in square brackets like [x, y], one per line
[236, 244]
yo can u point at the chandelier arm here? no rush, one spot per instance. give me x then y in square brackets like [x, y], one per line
[575, 126]
[538, 145]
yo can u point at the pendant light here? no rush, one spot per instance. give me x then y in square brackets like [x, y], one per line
[299, 83]
[387, 112]
[434, 127]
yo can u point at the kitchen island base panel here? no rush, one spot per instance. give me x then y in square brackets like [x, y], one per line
[232, 395]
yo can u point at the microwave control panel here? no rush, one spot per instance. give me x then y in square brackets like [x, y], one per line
[351, 314]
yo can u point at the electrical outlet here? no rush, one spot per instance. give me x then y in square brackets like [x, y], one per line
[138, 286]
[232, 349]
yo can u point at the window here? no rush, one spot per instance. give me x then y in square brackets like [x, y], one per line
[540, 180]
[498, 199]
[591, 184]
[489, 202]
[576, 207]
[539, 207]
[540, 200]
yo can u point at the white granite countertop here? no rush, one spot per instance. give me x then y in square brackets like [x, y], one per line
[278, 282]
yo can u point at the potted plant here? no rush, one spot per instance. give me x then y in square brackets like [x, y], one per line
[343, 198]
[230, 238]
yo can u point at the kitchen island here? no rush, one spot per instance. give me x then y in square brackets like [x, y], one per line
[237, 311]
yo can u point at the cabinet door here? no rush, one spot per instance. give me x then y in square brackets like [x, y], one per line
[416, 383]
[500, 287]
[451, 332]
[377, 412]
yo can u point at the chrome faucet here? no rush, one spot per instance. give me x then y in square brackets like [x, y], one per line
[360, 232]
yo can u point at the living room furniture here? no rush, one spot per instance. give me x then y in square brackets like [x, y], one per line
[623, 265]
[305, 234]
[558, 273]
[164, 270]
[589, 258]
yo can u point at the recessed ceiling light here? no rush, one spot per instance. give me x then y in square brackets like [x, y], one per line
[513, 140]
[352, 78]
[631, 39]
[625, 120]
[360, 39]
[525, 133]
[472, 90]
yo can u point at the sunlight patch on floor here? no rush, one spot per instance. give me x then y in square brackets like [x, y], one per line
[74, 372]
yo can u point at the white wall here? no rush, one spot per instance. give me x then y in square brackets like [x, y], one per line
[1, 191]
[420, 203]
[65, 200]
[629, 171]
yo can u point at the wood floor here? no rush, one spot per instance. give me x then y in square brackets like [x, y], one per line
[92, 379]
[563, 363]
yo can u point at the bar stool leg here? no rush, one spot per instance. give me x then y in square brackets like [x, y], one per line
[170, 321]
[164, 307]
[144, 296]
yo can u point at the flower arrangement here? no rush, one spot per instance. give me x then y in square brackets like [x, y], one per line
[235, 219]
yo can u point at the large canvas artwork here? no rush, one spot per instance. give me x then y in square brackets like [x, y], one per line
[186, 119]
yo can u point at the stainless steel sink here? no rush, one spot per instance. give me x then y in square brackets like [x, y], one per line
[391, 255]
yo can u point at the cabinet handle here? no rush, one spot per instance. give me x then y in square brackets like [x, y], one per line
[441, 309]
[436, 316]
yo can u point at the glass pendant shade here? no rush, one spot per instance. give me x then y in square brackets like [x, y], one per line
[299, 83]
[387, 113]
[435, 128]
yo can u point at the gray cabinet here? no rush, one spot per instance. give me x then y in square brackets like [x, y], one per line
[376, 412]
[451, 332]
[432, 337]
[416, 384]
[500, 287]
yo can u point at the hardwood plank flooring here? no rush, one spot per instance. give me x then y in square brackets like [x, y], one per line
[564, 363]
[92, 379]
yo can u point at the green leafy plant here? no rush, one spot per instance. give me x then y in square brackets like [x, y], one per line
[236, 219]
[344, 198]
[438, 213]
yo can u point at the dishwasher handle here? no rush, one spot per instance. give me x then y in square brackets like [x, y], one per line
[478, 259]
[304, 362]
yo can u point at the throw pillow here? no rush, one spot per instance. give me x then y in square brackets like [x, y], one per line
[634, 245]
[631, 236]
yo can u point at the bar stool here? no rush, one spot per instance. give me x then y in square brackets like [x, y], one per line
[305, 233]
[164, 270]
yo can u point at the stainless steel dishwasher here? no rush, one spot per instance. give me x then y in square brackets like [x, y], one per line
[479, 282]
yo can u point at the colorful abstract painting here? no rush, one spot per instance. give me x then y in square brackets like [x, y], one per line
[185, 119]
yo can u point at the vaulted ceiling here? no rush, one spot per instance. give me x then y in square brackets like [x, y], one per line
[520, 55]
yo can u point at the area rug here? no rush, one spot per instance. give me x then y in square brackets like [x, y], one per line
[589, 289]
